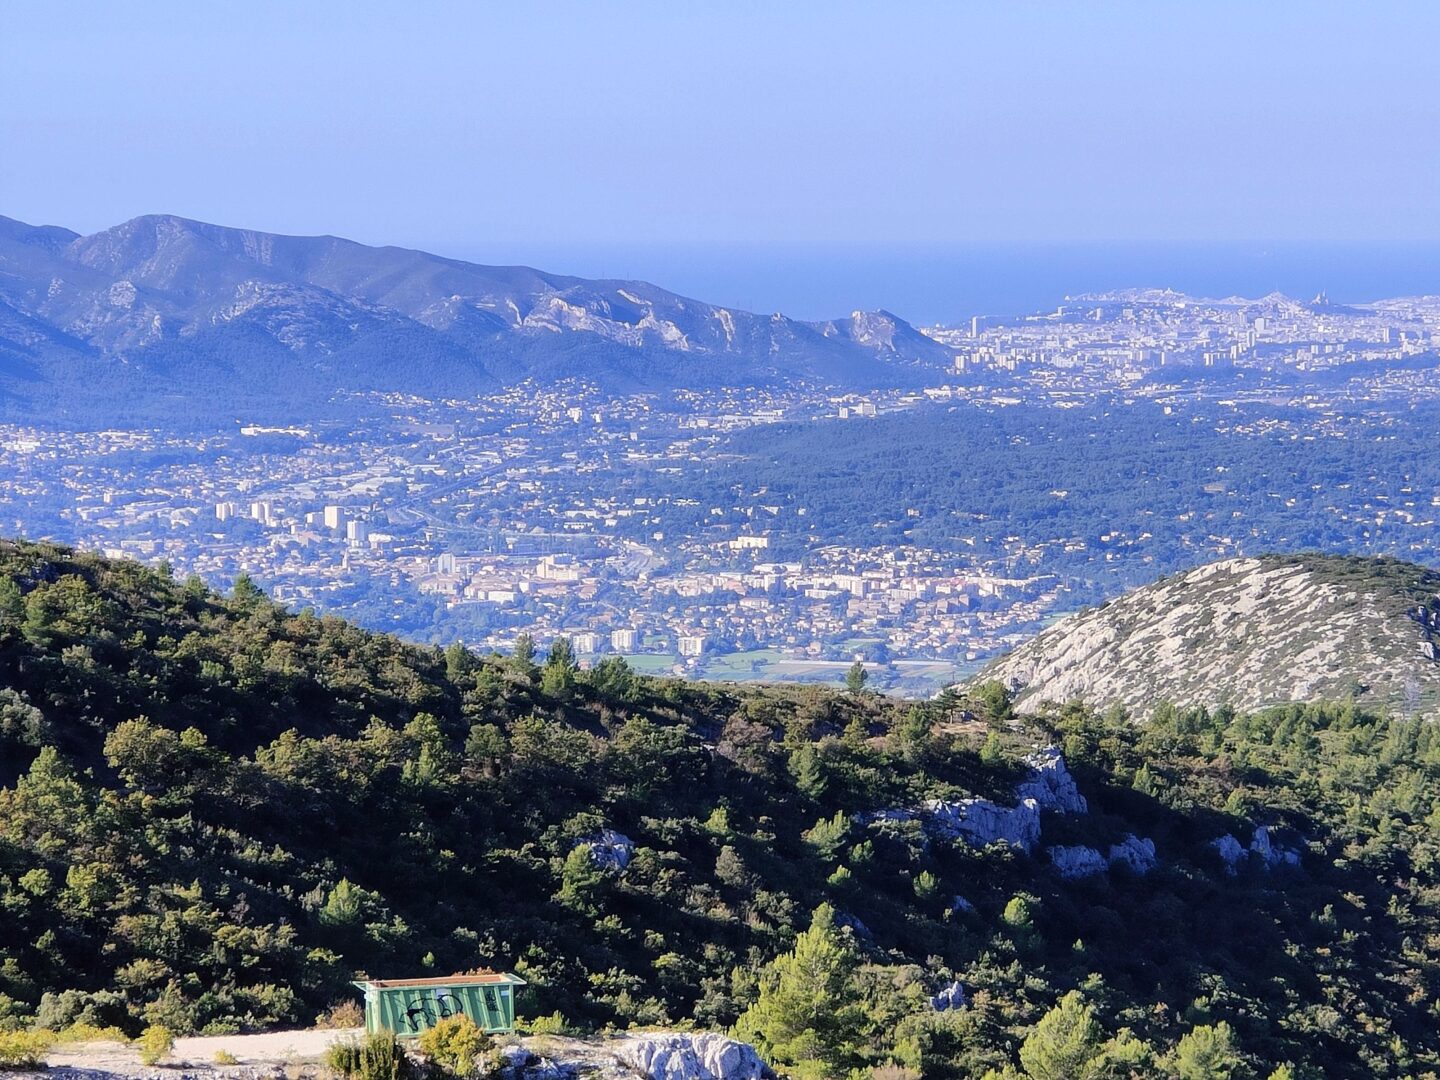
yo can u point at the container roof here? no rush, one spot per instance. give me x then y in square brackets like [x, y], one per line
[483, 978]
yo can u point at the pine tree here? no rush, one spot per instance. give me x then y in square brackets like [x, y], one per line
[808, 1014]
[1207, 1053]
[1064, 1042]
[524, 653]
[558, 677]
[245, 592]
[808, 771]
[856, 678]
[581, 882]
[459, 662]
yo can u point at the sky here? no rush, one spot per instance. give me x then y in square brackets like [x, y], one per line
[647, 138]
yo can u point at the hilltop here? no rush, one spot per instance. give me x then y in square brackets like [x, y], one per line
[215, 811]
[168, 309]
[1246, 633]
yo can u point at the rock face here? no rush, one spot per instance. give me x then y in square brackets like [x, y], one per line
[949, 997]
[980, 821]
[1271, 854]
[610, 849]
[1262, 850]
[691, 1057]
[1050, 783]
[1246, 632]
[1135, 854]
[1077, 861]
[1230, 852]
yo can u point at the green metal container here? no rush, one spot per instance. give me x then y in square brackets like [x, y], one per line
[409, 1006]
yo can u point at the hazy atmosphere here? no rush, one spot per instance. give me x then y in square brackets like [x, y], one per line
[719, 541]
[699, 144]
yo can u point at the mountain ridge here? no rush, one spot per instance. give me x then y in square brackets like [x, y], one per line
[162, 298]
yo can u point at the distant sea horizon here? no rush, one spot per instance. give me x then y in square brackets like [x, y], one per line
[947, 285]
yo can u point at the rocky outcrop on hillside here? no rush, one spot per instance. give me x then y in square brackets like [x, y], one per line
[1047, 785]
[703, 1056]
[1246, 633]
[609, 849]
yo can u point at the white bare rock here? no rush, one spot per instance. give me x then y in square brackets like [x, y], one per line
[979, 822]
[1077, 861]
[1246, 632]
[1230, 852]
[610, 849]
[949, 997]
[1134, 853]
[1271, 854]
[704, 1056]
[1050, 783]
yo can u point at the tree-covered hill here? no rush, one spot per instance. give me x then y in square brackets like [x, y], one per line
[213, 812]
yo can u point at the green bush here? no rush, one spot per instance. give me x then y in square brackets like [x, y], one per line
[24, 1049]
[455, 1044]
[378, 1056]
[554, 1024]
[154, 1043]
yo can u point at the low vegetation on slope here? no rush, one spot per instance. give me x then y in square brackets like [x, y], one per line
[213, 812]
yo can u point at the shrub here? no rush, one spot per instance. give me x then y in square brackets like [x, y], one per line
[379, 1056]
[225, 1057]
[154, 1043]
[84, 1033]
[79, 1008]
[344, 1014]
[554, 1024]
[455, 1044]
[24, 1049]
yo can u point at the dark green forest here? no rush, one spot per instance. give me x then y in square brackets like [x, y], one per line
[1106, 494]
[214, 812]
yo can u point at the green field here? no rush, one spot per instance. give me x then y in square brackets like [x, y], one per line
[909, 678]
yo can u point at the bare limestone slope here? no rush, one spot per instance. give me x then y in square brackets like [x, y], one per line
[1246, 632]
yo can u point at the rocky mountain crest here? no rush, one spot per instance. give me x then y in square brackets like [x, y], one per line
[1247, 633]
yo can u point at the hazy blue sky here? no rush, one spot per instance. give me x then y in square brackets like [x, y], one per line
[504, 129]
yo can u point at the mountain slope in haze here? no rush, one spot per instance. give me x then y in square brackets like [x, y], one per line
[214, 812]
[1246, 633]
[168, 302]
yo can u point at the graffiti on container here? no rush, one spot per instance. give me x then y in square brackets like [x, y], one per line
[422, 1012]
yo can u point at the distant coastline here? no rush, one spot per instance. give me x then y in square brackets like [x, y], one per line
[930, 285]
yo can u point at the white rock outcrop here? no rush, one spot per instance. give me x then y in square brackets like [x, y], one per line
[1230, 852]
[1134, 853]
[1050, 783]
[1270, 853]
[1077, 861]
[610, 849]
[704, 1056]
[980, 821]
[949, 997]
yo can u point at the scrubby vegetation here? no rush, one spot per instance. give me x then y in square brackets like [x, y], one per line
[214, 812]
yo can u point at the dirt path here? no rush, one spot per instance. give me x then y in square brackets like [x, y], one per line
[274, 1048]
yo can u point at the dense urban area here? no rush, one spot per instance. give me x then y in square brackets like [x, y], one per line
[752, 532]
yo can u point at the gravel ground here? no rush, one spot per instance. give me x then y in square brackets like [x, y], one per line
[196, 1056]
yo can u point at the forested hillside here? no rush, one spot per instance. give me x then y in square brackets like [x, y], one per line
[213, 812]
